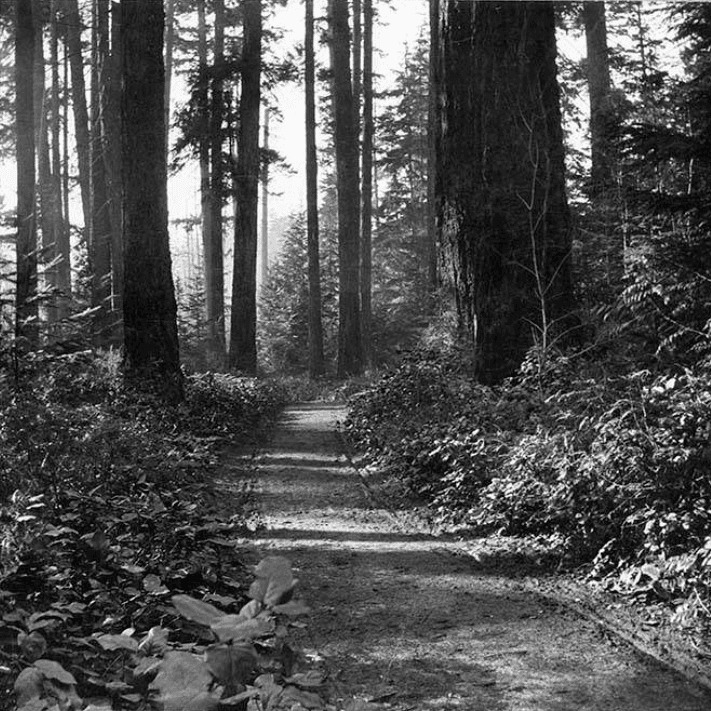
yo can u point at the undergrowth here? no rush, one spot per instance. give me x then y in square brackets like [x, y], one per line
[613, 466]
[106, 508]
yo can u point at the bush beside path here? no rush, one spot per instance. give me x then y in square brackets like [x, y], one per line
[403, 620]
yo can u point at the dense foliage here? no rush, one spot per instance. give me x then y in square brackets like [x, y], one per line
[612, 466]
[108, 503]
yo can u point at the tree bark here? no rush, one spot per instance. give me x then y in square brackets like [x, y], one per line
[150, 330]
[111, 128]
[264, 255]
[215, 281]
[503, 208]
[366, 287]
[62, 281]
[350, 355]
[316, 359]
[434, 130]
[204, 160]
[66, 239]
[357, 52]
[601, 126]
[169, 46]
[74, 25]
[243, 335]
[100, 230]
[47, 210]
[26, 323]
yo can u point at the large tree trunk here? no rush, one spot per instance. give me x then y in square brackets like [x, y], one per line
[608, 248]
[434, 131]
[366, 287]
[169, 46]
[204, 160]
[66, 169]
[74, 25]
[503, 204]
[26, 324]
[350, 356]
[48, 217]
[243, 335]
[601, 126]
[62, 270]
[316, 361]
[357, 55]
[100, 230]
[214, 259]
[111, 126]
[264, 254]
[150, 330]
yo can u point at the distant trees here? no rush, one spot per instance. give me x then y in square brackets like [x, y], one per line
[438, 136]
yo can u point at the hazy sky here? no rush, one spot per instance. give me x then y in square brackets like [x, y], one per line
[398, 25]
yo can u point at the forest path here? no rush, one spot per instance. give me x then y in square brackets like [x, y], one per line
[404, 619]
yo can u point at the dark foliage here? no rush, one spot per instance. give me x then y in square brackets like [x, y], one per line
[612, 466]
[108, 504]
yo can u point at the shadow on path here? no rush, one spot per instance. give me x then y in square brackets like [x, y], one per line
[403, 618]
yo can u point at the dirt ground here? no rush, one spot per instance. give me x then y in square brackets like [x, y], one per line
[408, 621]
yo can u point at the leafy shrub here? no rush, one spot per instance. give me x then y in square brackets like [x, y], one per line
[615, 467]
[106, 498]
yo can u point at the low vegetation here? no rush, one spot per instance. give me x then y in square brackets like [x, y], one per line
[611, 467]
[107, 509]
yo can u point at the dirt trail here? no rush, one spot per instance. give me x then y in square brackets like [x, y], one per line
[404, 619]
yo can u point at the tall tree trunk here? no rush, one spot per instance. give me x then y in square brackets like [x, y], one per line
[215, 268]
[26, 323]
[48, 218]
[66, 241]
[111, 128]
[350, 355]
[204, 160]
[74, 25]
[150, 330]
[357, 52]
[366, 287]
[62, 247]
[243, 336]
[503, 209]
[100, 231]
[434, 130]
[169, 46]
[264, 256]
[316, 360]
[598, 66]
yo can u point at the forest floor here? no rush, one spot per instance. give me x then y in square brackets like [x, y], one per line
[407, 620]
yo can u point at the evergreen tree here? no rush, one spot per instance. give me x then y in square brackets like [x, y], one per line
[316, 357]
[350, 350]
[285, 300]
[243, 332]
[150, 329]
[503, 207]
[402, 245]
[26, 278]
